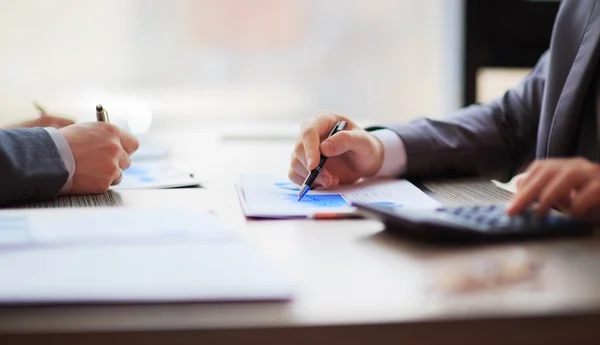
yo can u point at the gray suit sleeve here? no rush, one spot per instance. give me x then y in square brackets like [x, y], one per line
[494, 140]
[31, 166]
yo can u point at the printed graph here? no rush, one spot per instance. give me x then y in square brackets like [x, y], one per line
[287, 186]
[14, 230]
[386, 203]
[317, 200]
[140, 174]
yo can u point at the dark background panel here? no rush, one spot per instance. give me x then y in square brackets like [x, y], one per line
[504, 33]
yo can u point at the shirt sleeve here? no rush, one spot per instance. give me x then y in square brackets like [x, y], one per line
[394, 154]
[65, 153]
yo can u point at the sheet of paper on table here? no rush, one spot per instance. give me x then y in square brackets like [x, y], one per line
[268, 196]
[130, 255]
[156, 174]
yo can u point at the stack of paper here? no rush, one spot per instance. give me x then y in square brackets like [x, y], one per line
[266, 196]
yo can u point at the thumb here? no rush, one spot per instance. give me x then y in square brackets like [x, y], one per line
[344, 141]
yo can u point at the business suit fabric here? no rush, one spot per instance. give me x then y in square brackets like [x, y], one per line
[31, 167]
[588, 145]
[540, 118]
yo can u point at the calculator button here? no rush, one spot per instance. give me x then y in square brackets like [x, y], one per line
[491, 208]
[457, 210]
[492, 221]
[502, 220]
[517, 222]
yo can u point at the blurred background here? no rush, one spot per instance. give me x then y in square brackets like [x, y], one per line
[249, 61]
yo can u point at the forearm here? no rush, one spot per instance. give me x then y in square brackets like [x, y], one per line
[476, 141]
[485, 141]
[495, 140]
[32, 167]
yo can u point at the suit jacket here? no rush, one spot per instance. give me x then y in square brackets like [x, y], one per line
[31, 167]
[538, 119]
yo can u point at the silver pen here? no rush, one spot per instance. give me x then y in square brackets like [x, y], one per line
[101, 114]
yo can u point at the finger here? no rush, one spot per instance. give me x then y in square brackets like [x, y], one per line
[586, 200]
[530, 174]
[530, 191]
[124, 160]
[564, 205]
[325, 178]
[344, 141]
[299, 154]
[316, 130]
[295, 177]
[336, 181]
[299, 168]
[65, 122]
[118, 177]
[299, 180]
[325, 120]
[60, 123]
[310, 143]
[520, 180]
[129, 142]
[559, 188]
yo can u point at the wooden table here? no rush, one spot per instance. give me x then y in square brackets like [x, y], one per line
[356, 284]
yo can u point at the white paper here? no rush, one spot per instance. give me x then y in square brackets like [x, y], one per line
[155, 174]
[130, 255]
[276, 197]
[22, 229]
[150, 151]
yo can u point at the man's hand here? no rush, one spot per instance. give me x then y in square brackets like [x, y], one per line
[353, 153]
[572, 185]
[101, 152]
[44, 121]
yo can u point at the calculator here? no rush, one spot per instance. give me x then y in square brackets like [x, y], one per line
[472, 223]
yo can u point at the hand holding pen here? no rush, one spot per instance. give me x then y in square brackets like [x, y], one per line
[353, 153]
[100, 151]
[312, 177]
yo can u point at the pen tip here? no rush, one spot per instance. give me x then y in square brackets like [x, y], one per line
[303, 190]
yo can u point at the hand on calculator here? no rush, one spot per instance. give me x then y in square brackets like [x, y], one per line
[484, 222]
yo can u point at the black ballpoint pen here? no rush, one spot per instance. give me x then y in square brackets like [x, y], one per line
[310, 179]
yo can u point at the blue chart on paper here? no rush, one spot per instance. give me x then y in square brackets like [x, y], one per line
[318, 200]
[287, 186]
[139, 173]
[14, 229]
[386, 203]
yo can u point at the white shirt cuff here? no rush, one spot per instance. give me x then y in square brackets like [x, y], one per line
[65, 153]
[394, 154]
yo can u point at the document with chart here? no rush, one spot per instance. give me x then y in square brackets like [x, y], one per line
[268, 196]
[156, 174]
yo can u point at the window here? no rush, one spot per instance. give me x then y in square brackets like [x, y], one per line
[236, 59]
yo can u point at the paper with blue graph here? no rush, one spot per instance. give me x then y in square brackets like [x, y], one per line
[156, 174]
[268, 196]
